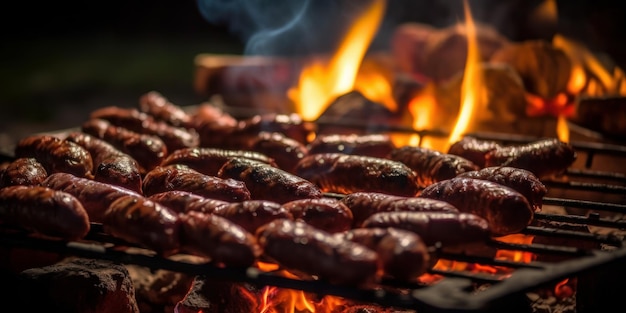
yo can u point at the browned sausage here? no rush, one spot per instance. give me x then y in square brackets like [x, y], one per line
[219, 239]
[403, 253]
[140, 221]
[166, 178]
[23, 171]
[156, 105]
[299, 246]
[506, 210]
[45, 211]
[215, 126]
[267, 182]
[291, 125]
[473, 149]
[522, 181]
[185, 201]
[143, 123]
[148, 150]
[375, 145]
[56, 155]
[284, 150]
[430, 165]
[344, 173]
[95, 196]
[328, 214]
[209, 160]
[252, 214]
[543, 157]
[364, 204]
[448, 228]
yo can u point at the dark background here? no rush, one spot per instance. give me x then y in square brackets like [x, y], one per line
[59, 60]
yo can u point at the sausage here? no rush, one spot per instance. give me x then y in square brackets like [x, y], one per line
[148, 150]
[291, 125]
[364, 204]
[448, 228]
[219, 239]
[520, 180]
[375, 145]
[328, 214]
[344, 173]
[403, 254]
[45, 211]
[156, 105]
[285, 151]
[299, 246]
[543, 158]
[95, 196]
[267, 182]
[252, 214]
[143, 123]
[112, 166]
[166, 178]
[430, 165]
[185, 201]
[209, 160]
[56, 155]
[140, 221]
[215, 126]
[23, 171]
[506, 210]
[473, 149]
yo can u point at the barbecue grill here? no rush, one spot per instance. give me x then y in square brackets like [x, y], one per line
[456, 290]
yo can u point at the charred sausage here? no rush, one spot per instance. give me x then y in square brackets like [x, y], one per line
[95, 196]
[166, 178]
[56, 155]
[473, 149]
[23, 171]
[284, 150]
[522, 181]
[375, 145]
[158, 106]
[140, 221]
[344, 173]
[252, 214]
[430, 165]
[45, 211]
[184, 201]
[328, 214]
[209, 160]
[365, 204]
[299, 246]
[267, 182]
[219, 239]
[506, 210]
[543, 157]
[402, 253]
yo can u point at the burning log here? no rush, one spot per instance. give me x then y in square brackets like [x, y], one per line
[209, 296]
[606, 115]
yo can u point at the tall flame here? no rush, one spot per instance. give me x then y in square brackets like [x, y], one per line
[322, 82]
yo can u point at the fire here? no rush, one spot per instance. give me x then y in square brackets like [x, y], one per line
[321, 82]
[517, 256]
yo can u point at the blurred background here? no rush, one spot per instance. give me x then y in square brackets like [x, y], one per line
[61, 60]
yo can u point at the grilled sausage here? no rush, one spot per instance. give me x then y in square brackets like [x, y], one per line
[520, 180]
[403, 254]
[506, 210]
[344, 173]
[215, 126]
[364, 204]
[448, 228]
[252, 214]
[56, 155]
[219, 239]
[374, 145]
[93, 195]
[543, 157]
[473, 149]
[327, 214]
[209, 160]
[23, 171]
[140, 221]
[156, 105]
[143, 123]
[430, 165]
[111, 165]
[282, 149]
[166, 178]
[291, 125]
[148, 150]
[267, 182]
[299, 246]
[185, 201]
[45, 211]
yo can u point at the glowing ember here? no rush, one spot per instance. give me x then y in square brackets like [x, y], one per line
[517, 256]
